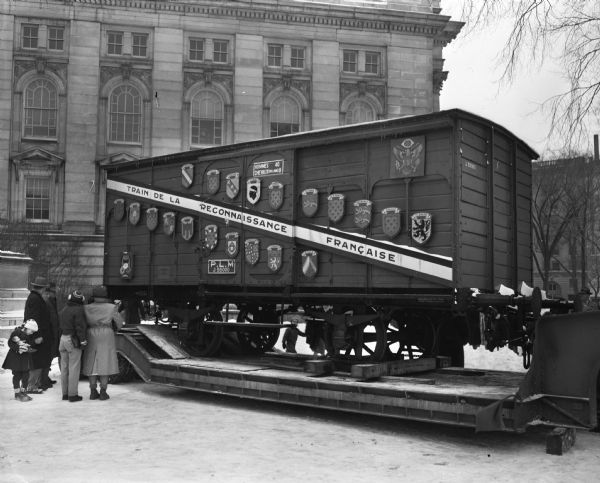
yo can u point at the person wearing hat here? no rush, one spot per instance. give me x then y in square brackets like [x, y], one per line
[585, 301]
[100, 356]
[72, 340]
[21, 345]
[37, 309]
[49, 296]
[290, 336]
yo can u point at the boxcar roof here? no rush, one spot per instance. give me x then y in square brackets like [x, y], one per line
[330, 135]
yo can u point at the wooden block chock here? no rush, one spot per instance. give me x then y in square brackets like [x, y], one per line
[366, 372]
[319, 367]
[560, 440]
[443, 361]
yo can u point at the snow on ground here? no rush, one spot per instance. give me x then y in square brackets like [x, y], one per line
[152, 433]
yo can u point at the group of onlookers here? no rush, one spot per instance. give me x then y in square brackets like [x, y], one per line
[81, 332]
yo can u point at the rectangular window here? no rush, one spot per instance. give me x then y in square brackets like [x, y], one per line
[372, 62]
[139, 45]
[207, 131]
[115, 43]
[297, 58]
[56, 38]
[30, 36]
[349, 62]
[220, 51]
[37, 199]
[274, 54]
[197, 49]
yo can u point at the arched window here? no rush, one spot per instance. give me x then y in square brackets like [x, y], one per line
[207, 119]
[41, 109]
[285, 116]
[125, 114]
[359, 111]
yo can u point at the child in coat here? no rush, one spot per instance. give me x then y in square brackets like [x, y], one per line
[21, 344]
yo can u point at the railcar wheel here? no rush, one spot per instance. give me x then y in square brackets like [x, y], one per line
[257, 341]
[411, 338]
[365, 342]
[200, 339]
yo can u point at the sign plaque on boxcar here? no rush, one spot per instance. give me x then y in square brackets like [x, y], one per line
[134, 213]
[310, 201]
[267, 168]
[335, 207]
[420, 227]
[187, 228]
[213, 181]
[221, 267]
[232, 241]
[252, 246]
[408, 157]
[232, 187]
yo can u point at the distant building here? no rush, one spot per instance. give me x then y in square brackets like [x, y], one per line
[90, 83]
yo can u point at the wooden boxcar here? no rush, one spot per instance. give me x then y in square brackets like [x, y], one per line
[377, 232]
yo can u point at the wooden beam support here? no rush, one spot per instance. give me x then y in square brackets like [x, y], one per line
[560, 440]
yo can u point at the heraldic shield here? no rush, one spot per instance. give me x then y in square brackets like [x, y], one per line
[253, 190]
[420, 229]
[134, 213]
[362, 213]
[152, 218]
[252, 248]
[391, 221]
[408, 157]
[275, 195]
[187, 228]
[335, 207]
[274, 257]
[126, 269]
[213, 181]
[169, 223]
[211, 237]
[187, 175]
[232, 242]
[119, 209]
[310, 263]
[232, 185]
[310, 202]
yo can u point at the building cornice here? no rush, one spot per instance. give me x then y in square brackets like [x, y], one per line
[370, 16]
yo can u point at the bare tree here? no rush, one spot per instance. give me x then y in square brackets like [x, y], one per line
[565, 31]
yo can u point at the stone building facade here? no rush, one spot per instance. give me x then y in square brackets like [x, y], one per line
[90, 83]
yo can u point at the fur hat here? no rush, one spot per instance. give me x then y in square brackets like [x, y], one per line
[31, 325]
[99, 291]
[76, 297]
[39, 282]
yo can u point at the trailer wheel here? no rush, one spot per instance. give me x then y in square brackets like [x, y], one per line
[203, 340]
[126, 371]
[257, 341]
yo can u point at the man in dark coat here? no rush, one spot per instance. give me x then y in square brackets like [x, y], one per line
[49, 296]
[37, 309]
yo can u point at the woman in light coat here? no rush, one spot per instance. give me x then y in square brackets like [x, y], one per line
[100, 356]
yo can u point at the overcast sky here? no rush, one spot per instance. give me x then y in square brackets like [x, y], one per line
[473, 84]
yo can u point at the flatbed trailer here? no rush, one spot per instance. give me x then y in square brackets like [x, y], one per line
[479, 399]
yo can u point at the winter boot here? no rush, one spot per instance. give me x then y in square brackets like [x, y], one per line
[94, 394]
[23, 396]
[75, 398]
[18, 394]
[103, 395]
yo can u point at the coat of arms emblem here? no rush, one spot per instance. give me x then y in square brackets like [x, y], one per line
[187, 175]
[134, 213]
[187, 228]
[232, 187]
[275, 195]
[335, 207]
[274, 257]
[253, 190]
[119, 209]
[211, 237]
[126, 268]
[390, 221]
[310, 263]
[152, 218]
[362, 213]
[169, 223]
[408, 157]
[420, 228]
[310, 202]
[213, 181]
[232, 242]
[252, 249]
